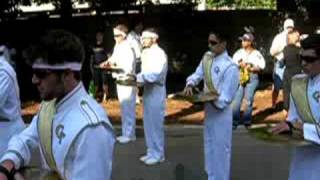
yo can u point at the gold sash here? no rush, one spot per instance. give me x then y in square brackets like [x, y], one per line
[299, 91]
[45, 123]
[207, 65]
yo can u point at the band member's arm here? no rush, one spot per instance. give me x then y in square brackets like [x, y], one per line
[110, 60]
[229, 88]
[293, 115]
[90, 157]
[311, 132]
[158, 72]
[20, 146]
[127, 54]
[292, 119]
[5, 85]
[195, 78]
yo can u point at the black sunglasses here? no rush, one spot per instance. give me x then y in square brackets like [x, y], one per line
[308, 59]
[117, 35]
[212, 42]
[43, 73]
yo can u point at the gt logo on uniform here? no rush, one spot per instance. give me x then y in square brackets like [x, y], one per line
[316, 96]
[59, 132]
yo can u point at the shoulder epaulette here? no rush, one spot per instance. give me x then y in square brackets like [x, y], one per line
[88, 111]
[300, 76]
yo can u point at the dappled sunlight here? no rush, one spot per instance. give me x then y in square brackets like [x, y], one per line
[180, 111]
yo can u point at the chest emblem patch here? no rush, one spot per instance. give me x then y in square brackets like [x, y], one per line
[217, 70]
[59, 133]
[316, 96]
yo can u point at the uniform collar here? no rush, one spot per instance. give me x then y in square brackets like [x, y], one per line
[315, 78]
[154, 46]
[223, 54]
[65, 101]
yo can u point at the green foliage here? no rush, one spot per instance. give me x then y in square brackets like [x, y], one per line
[8, 5]
[242, 4]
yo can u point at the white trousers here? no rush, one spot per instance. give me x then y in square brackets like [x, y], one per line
[7, 130]
[154, 99]
[127, 99]
[305, 163]
[217, 142]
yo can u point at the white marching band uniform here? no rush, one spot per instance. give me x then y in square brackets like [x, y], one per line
[82, 139]
[10, 108]
[153, 78]
[134, 40]
[218, 115]
[305, 164]
[123, 56]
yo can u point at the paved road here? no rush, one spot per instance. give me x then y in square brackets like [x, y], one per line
[251, 159]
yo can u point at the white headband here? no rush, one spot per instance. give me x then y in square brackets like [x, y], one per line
[74, 66]
[148, 34]
[119, 32]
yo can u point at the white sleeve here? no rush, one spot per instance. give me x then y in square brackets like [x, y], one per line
[5, 87]
[293, 116]
[230, 85]
[127, 55]
[91, 155]
[156, 74]
[196, 77]
[124, 57]
[20, 146]
[260, 62]
[135, 44]
[237, 56]
[275, 47]
[310, 133]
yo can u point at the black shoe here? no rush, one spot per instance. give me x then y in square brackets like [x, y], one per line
[247, 125]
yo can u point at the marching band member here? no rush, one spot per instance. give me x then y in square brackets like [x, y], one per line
[123, 57]
[153, 79]
[11, 122]
[304, 114]
[220, 74]
[71, 129]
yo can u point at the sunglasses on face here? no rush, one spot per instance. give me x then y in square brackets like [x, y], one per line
[117, 35]
[211, 42]
[43, 73]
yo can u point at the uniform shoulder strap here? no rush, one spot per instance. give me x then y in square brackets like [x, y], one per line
[207, 62]
[45, 121]
[299, 90]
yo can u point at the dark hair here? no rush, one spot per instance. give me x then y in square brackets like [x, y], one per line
[294, 30]
[122, 27]
[221, 36]
[58, 46]
[312, 42]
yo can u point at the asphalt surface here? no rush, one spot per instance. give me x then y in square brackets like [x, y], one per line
[252, 159]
